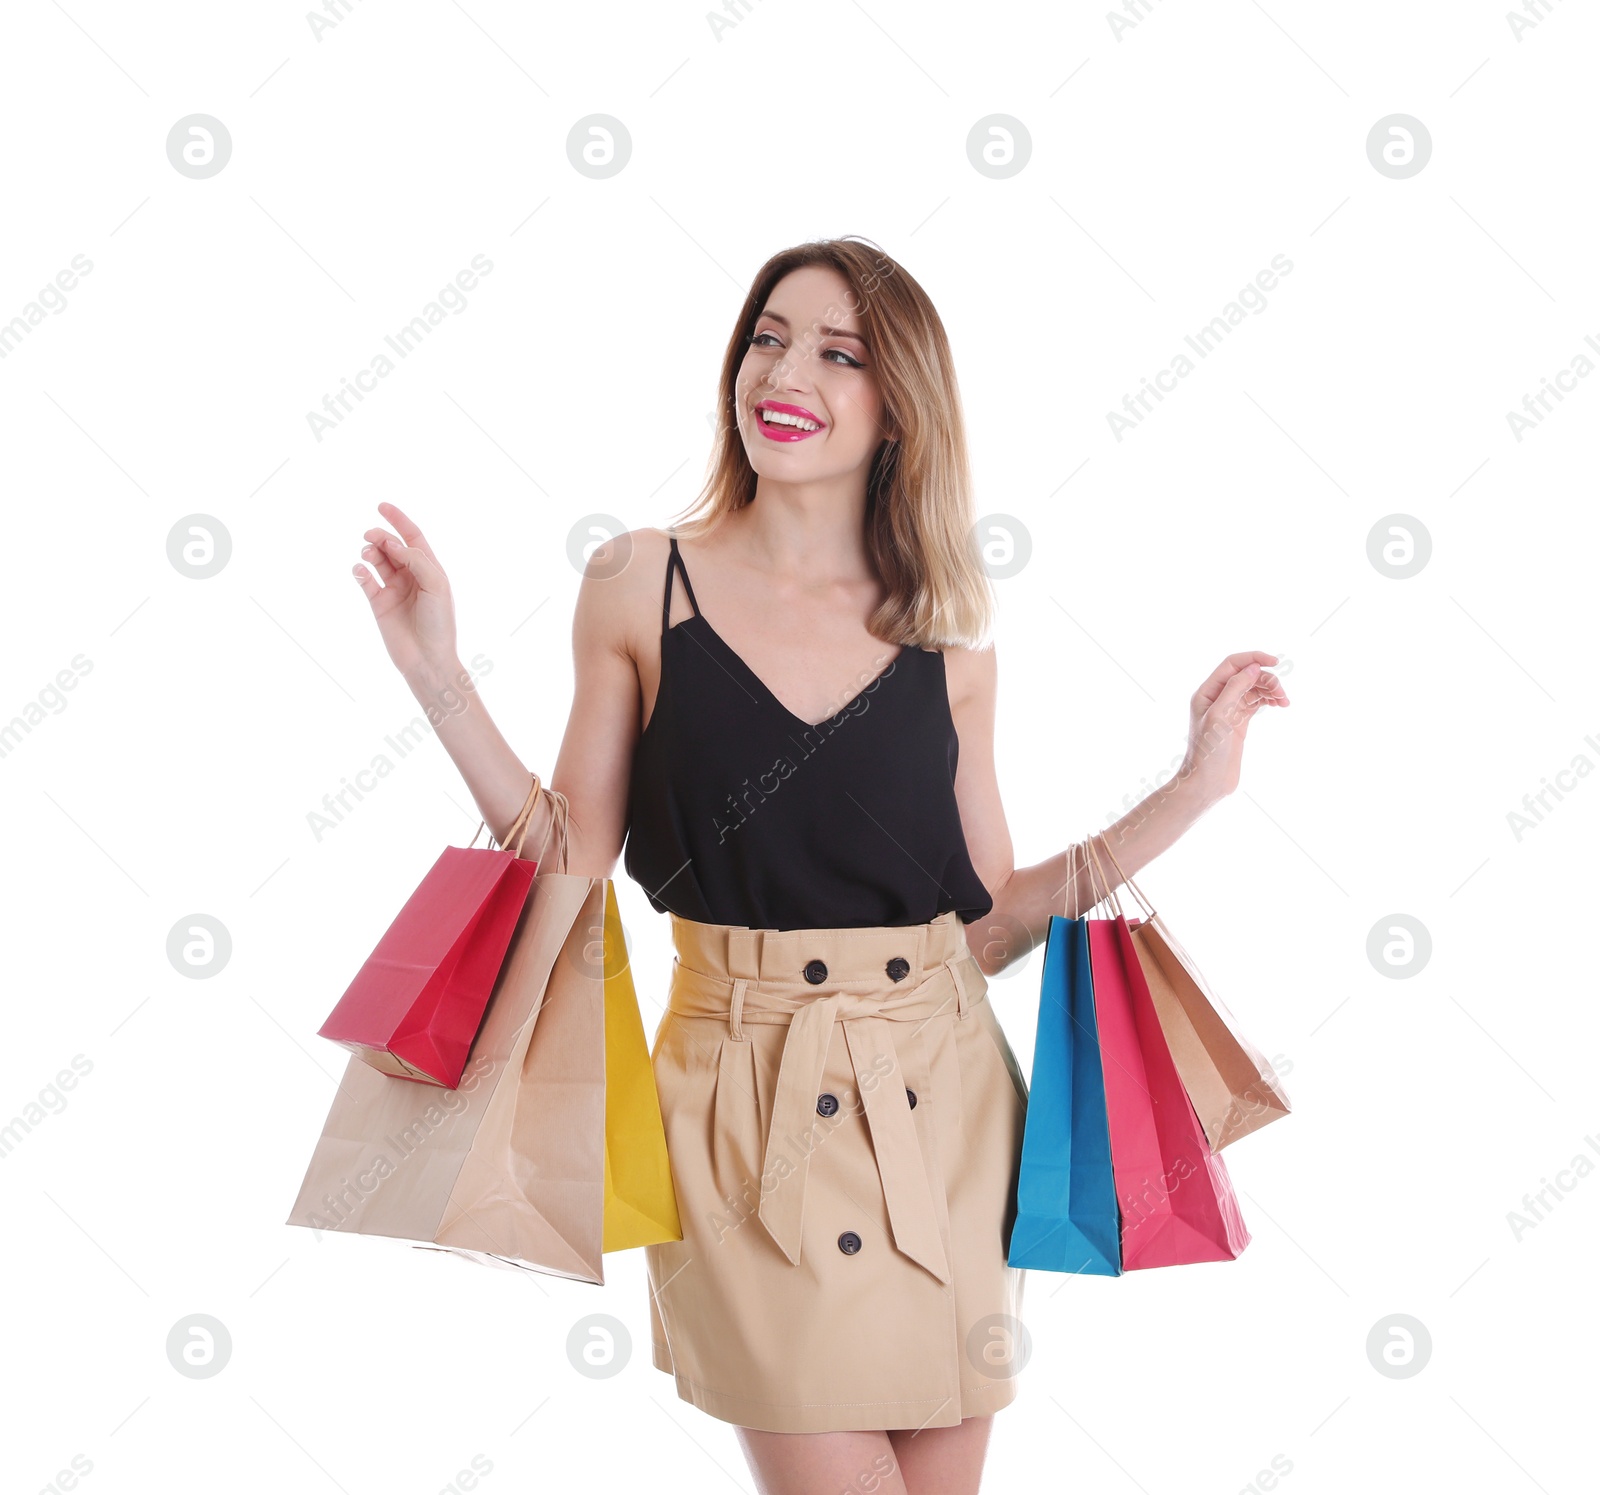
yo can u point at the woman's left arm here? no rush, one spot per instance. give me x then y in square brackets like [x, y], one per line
[1025, 897]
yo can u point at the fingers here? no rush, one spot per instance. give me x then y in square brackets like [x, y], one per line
[1240, 661]
[1266, 688]
[1231, 668]
[1232, 701]
[1269, 690]
[1228, 670]
[374, 556]
[1250, 689]
[408, 529]
[421, 566]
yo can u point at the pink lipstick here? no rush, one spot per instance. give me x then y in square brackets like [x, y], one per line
[787, 430]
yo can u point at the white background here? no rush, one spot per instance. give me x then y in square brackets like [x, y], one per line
[1167, 168]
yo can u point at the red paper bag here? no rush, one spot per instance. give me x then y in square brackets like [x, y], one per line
[417, 1003]
[1175, 1198]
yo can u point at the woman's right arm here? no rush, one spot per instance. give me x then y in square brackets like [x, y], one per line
[415, 615]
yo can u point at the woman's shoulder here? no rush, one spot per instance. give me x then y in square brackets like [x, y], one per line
[970, 673]
[619, 597]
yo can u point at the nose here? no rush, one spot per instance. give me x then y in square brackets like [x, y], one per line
[793, 371]
[789, 378]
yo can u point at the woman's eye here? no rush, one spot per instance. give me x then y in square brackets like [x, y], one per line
[755, 341]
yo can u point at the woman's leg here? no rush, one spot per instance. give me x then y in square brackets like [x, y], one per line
[823, 1463]
[942, 1461]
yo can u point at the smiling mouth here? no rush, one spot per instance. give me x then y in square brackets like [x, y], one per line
[784, 421]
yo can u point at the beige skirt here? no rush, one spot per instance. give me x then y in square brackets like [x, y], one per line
[844, 1124]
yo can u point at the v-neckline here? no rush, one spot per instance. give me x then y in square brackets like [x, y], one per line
[767, 691]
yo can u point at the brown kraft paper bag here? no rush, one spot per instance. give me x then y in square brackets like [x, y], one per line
[510, 1168]
[1231, 1085]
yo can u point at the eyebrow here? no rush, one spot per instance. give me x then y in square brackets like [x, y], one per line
[825, 331]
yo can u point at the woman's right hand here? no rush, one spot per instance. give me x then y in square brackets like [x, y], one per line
[413, 606]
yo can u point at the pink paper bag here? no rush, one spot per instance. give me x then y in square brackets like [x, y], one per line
[1176, 1200]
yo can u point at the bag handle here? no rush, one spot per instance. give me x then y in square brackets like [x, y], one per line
[1072, 877]
[1097, 877]
[560, 813]
[1077, 858]
[1133, 887]
[1078, 854]
[522, 822]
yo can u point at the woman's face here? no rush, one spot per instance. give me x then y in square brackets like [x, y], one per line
[808, 364]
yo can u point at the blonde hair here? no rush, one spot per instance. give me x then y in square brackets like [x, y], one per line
[919, 490]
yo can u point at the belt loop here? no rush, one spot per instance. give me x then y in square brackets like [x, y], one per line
[744, 966]
[744, 952]
[963, 1001]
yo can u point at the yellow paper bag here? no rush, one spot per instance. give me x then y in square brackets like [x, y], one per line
[640, 1206]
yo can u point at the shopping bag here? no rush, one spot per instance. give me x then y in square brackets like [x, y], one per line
[1066, 1217]
[417, 1001]
[640, 1206]
[1173, 1193]
[552, 1150]
[1232, 1086]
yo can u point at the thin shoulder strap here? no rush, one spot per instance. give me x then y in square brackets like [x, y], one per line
[675, 558]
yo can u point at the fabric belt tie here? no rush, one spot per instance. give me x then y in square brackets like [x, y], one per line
[953, 985]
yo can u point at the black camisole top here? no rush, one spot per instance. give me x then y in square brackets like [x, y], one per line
[741, 813]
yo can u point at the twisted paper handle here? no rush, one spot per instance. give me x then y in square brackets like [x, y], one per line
[1133, 887]
[1083, 851]
[560, 815]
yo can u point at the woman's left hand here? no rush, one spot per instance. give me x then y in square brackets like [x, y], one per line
[1219, 712]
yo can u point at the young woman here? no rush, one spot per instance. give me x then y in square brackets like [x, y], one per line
[798, 747]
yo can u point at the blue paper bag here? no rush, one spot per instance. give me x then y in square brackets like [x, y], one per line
[1066, 1192]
